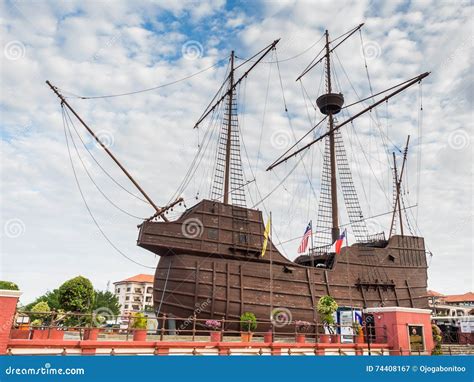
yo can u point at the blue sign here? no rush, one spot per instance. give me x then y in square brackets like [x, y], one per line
[235, 368]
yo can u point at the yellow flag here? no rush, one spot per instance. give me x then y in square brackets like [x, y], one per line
[265, 236]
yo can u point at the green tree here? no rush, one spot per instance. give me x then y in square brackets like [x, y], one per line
[8, 285]
[41, 313]
[51, 297]
[106, 304]
[76, 295]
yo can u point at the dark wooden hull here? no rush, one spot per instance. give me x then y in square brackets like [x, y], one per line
[217, 285]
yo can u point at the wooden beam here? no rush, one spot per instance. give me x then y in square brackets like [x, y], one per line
[213, 288]
[310, 286]
[241, 289]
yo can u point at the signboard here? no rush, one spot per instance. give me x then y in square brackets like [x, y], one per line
[467, 324]
[415, 333]
[345, 319]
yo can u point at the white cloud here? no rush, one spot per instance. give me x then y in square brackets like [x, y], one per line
[92, 48]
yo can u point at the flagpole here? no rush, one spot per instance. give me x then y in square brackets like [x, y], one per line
[312, 244]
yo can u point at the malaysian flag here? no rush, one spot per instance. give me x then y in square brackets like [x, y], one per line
[307, 235]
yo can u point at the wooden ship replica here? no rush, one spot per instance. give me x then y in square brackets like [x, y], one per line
[211, 256]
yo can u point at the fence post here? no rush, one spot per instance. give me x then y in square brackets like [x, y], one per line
[222, 328]
[316, 336]
[194, 325]
[163, 325]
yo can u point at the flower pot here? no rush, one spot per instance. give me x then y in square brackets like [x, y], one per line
[39, 334]
[91, 334]
[300, 338]
[246, 336]
[268, 336]
[335, 338]
[216, 336]
[56, 334]
[324, 338]
[139, 335]
[359, 339]
[19, 334]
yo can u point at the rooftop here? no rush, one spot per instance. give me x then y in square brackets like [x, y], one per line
[140, 278]
[466, 297]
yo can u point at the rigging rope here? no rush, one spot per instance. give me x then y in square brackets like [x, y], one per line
[147, 89]
[87, 205]
[88, 173]
[285, 59]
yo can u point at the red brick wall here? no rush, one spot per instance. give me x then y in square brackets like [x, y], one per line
[8, 301]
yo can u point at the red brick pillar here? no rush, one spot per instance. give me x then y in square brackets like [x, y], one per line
[8, 300]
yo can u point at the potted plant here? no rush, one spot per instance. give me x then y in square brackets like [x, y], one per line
[248, 323]
[55, 331]
[139, 324]
[39, 314]
[326, 308]
[358, 333]
[39, 332]
[268, 336]
[301, 327]
[92, 332]
[215, 327]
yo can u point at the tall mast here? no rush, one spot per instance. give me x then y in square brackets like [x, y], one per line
[64, 102]
[229, 132]
[332, 149]
[398, 182]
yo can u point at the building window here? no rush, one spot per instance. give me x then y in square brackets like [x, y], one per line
[126, 306]
[129, 289]
[138, 290]
[149, 290]
[135, 307]
[148, 299]
[118, 290]
[127, 298]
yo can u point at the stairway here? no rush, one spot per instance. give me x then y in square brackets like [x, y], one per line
[457, 349]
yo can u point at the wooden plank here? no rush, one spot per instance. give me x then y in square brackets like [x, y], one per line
[327, 282]
[241, 289]
[227, 293]
[213, 288]
[396, 296]
[310, 286]
[196, 285]
[380, 295]
[409, 293]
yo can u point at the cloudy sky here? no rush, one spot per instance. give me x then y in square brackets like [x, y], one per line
[96, 48]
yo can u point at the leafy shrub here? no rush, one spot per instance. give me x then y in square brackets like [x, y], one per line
[437, 339]
[248, 321]
[42, 309]
[326, 308]
[8, 285]
[139, 321]
[76, 295]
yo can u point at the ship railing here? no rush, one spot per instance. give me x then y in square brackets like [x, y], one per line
[111, 327]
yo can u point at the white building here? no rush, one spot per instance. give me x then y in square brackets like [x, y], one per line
[135, 294]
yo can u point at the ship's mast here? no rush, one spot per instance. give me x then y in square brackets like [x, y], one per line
[332, 149]
[229, 133]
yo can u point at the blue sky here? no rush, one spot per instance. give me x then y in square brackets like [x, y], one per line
[95, 48]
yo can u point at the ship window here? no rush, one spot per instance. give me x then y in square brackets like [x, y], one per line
[243, 238]
[212, 234]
